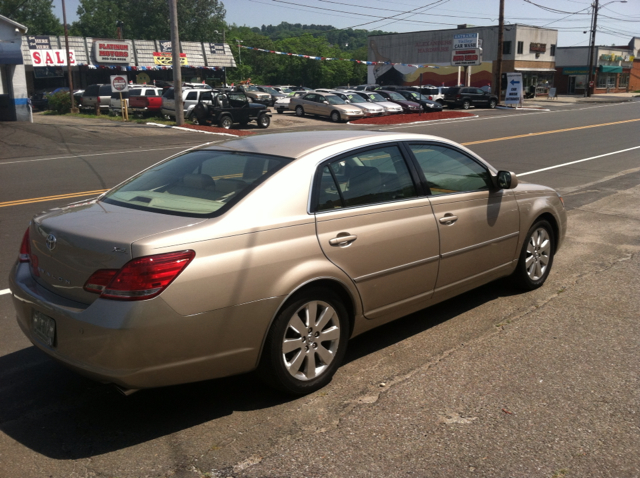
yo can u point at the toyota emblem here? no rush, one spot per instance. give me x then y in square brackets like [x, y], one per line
[51, 242]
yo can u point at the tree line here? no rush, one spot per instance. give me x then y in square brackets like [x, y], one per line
[204, 21]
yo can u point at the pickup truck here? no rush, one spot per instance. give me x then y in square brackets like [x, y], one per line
[148, 103]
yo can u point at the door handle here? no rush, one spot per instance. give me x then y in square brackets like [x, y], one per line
[448, 219]
[344, 240]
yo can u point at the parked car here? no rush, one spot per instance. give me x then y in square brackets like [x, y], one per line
[147, 103]
[435, 93]
[97, 95]
[369, 109]
[134, 90]
[325, 104]
[228, 108]
[282, 104]
[40, 100]
[395, 97]
[287, 89]
[256, 95]
[428, 106]
[190, 98]
[367, 87]
[275, 94]
[270, 252]
[467, 96]
[375, 97]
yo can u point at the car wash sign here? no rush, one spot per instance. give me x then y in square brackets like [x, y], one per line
[466, 41]
[111, 51]
[514, 89]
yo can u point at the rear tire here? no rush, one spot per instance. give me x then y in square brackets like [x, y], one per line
[466, 104]
[335, 117]
[536, 257]
[492, 104]
[306, 343]
[263, 121]
[299, 111]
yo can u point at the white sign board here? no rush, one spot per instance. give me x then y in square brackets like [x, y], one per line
[119, 83]
[514, 89]
[471, 56]
[52, 57]
[463, 41]
[111, 51]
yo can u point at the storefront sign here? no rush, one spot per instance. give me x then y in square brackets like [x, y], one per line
[538, 47]
[119, 83]
[111, 51]
[463, 41]
[166, 59]
[165, 46]
[39, 42]
[216, 48]
[514, 89]
[52, 57]
[574, 71]
[466, 57]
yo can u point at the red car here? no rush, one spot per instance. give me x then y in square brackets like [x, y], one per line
[397, 98]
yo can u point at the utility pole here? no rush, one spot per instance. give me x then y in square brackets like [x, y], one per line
[498, 81]
[240, 57]
[66, 45]
[592, 46]
[176, 65]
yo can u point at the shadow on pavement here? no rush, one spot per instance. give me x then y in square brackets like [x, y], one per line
[64, 416]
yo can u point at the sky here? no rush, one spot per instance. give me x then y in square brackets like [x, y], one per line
[617, 22]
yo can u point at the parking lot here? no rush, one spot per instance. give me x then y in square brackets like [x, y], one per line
[493, 383]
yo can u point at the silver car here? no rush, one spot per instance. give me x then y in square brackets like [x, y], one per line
[325, 104]
[368, 108]
[377, 98]
[270, 252]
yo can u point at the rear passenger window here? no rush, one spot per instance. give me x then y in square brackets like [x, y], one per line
[450, 171]
[370, 177]
[150, 93]
[192, 95]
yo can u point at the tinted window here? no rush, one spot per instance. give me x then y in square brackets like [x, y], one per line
[105, 90]
[135, 92]
[198, 183]
[450, 171]
[168, 94]
[92, 90]
[150, 93]
[192, 95]
[369, 177]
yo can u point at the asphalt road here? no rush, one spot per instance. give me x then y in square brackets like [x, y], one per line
[493, 383]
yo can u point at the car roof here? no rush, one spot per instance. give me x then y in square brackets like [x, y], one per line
[298, 144]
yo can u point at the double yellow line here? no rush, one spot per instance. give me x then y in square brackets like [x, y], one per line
[506, 138]
[20, 202]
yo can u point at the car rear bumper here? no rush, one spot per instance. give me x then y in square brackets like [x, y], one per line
[142, 344]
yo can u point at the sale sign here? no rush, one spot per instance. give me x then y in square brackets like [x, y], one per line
[52, 57]
[119, 83]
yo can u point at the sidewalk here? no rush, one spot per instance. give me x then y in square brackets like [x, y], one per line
[606, 98]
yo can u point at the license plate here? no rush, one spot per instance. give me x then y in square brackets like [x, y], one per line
[44, 327]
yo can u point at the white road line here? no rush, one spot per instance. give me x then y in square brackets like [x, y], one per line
[81, 155]
[578, 161]
[5, 291]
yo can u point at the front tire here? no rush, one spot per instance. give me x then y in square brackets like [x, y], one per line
[306, 343]
[225, 122]
[492, 104]
[263, 121]
[299, 111]
[536, 257]
[466, 104]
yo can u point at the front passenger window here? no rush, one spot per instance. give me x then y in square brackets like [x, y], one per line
[450, 171]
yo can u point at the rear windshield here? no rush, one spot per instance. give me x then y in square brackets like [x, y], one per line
[105, 90]
[197, 183]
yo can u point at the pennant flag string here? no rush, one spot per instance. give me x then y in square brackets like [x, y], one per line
[322, 58]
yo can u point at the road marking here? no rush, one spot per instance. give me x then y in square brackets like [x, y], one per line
[5, 291]
[20, 202]
[529, 135]
[578, 161]
[80, 155]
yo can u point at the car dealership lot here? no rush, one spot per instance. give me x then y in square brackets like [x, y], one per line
[495, 382]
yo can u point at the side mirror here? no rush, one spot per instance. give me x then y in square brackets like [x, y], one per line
[506, 180]
[326, 102]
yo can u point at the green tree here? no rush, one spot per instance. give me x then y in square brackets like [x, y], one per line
[37, 15]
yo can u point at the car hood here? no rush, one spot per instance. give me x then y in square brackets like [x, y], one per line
[89, 236]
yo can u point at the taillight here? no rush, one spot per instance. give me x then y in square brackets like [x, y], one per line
[431, 97]
[458, 97]
[98, 101]
[25, 248]
[141, 278]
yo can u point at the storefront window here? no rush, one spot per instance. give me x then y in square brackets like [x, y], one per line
[606, 80]
[624, 80]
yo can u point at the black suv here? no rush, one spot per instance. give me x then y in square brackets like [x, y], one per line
[467, 96]
[229, 107]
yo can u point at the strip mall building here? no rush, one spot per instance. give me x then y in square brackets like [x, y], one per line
[526, 49]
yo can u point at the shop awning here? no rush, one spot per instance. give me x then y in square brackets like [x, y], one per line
[610, 69]
[10, 57]
[534, 69]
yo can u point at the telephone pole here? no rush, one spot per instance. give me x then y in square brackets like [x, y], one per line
[498, 81]
[592, 46]
[176, 65]
[69, 71]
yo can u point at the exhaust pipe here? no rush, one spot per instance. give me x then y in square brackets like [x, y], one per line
[125, 391]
